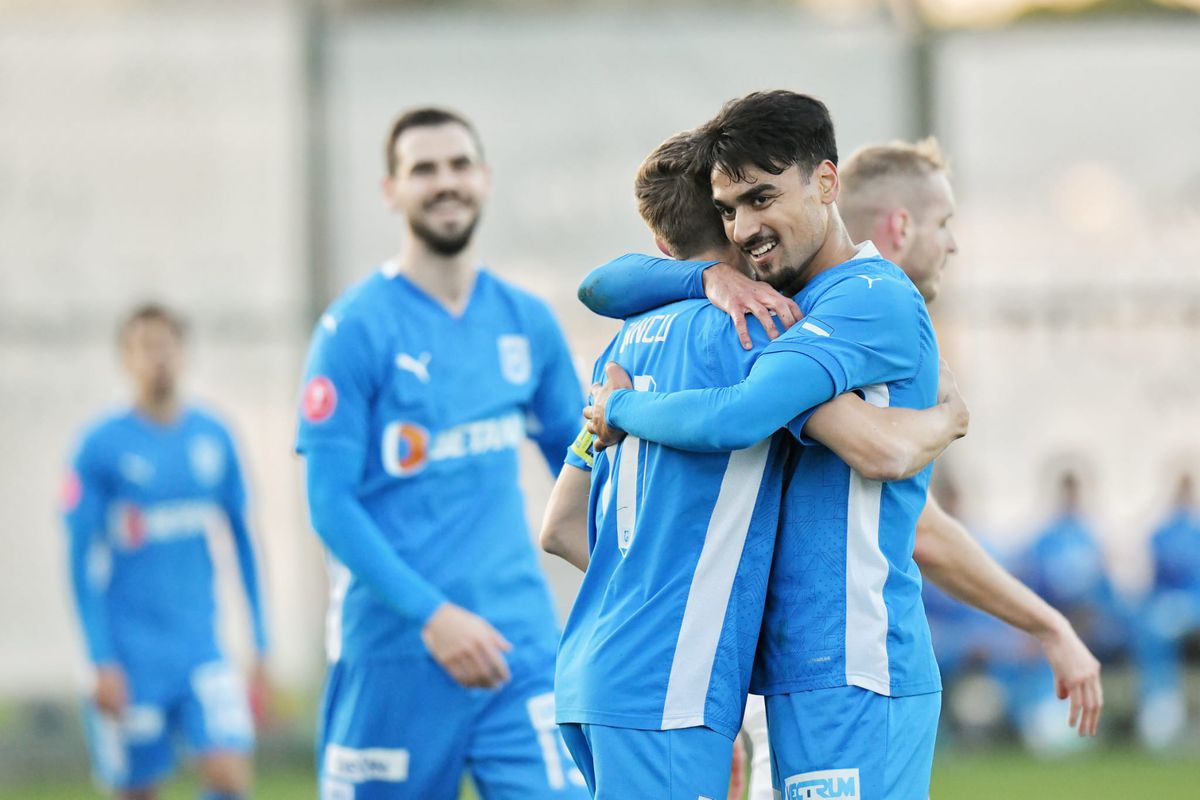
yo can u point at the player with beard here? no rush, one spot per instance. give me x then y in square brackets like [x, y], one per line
[422, 381]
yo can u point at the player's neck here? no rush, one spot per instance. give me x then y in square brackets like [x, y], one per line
[838, 248]
[447, 279]
[160, 409]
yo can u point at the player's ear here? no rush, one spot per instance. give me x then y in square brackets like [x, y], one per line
[899, 228]
[828, 183]
[388, 186]
[662, 247]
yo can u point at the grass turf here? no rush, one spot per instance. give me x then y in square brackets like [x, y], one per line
[1001, 775]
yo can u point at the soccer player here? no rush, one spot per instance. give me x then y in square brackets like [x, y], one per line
[1169, 613]
[421, 384]
[146, 485]
[845, 661]
[898, 196]
[656, 655]
[1065, 566]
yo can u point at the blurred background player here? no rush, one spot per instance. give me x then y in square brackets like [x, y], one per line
[1065, 566]
[422, 382]
[147, 484]
[1169, 620]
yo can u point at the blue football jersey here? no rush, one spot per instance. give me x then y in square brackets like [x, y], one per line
[141, 498]
[844, 599]
[1175, 550]
[663, 630]
[440, 404]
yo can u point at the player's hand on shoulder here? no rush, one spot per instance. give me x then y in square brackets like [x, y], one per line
[739, 295]
[467, 646]
[615, 377]
[112, 690]
[950, 397]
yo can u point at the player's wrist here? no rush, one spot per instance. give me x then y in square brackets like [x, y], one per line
[1051, 626]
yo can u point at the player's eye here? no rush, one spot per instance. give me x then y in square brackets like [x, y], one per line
[762, 201]
[422, 169]
[725, 212]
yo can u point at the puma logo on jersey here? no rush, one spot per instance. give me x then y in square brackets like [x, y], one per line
[870, 281]
[417, 366]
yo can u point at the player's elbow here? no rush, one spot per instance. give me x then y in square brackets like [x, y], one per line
[552, 538]
[928, 548]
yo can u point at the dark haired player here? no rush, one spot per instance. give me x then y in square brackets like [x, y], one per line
[146, 485]
[421, 384]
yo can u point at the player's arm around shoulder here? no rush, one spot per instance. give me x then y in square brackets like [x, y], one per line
[890, 444]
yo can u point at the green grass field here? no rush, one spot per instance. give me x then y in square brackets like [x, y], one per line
[1000, 775]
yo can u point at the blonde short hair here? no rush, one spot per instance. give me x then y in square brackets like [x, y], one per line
[894, 159]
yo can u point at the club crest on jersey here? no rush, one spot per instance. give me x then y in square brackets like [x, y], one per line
[516, 364]
[207, 458]
[320, 399]
[830, 783]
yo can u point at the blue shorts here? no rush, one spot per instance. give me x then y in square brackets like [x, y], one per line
[624, 763]
[392, 730]
[207, 707]
[852, 743]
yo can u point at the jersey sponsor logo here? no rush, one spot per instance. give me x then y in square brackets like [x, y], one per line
[405, 449]
[516, 364]
[207, 458]
[418, 366]
[408, 448]
[71, 491]
[132, 527]
[369, 764]
[830, 783]
[320, 399]
[651, 330]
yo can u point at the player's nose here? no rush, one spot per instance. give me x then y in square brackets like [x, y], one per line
[745, 227]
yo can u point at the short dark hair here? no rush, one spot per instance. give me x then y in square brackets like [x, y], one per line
[424, 117]
[674, 198]
[151, 312]
[770, 131]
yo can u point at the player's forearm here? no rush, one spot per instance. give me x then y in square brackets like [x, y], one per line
[356, 541]
[635, 283]
[904, 441]
[950, 557]
[564, 526]
[778, 388]
[248, 567]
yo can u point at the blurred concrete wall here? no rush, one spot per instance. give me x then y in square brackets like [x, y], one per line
[163, 154]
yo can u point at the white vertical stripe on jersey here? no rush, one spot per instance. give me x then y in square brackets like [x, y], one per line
[627, 486]
[708, 596]
[866, 573]
[339, 584]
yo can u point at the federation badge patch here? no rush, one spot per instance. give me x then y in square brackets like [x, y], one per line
[320, 399]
